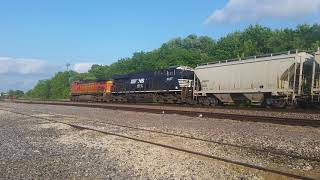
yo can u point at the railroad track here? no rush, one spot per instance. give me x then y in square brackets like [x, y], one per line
[308, 110]
[253, 149]
[195, 113]
[246, 165]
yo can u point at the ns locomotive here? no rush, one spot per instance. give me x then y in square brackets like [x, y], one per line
[277, 80]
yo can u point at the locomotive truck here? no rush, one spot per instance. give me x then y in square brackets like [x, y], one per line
[279, 80]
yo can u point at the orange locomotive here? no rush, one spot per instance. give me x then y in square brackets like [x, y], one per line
[91, 90]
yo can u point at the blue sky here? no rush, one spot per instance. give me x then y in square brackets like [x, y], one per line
[52, 33]
[101, 31]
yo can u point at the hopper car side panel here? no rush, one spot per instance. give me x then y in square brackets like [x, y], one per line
[253, 79]
[315, 89]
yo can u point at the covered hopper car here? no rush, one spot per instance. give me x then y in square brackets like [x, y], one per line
[315, 80]
[273, 80]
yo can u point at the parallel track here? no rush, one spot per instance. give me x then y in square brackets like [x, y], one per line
[306, 110]
[288, 174]
[268, 152]
[236, 117]
[275, 152]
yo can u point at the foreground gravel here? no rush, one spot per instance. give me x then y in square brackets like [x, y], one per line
[296, 140]
[31, 147]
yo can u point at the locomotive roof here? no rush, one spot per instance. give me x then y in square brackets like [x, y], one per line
[93, 80]
[127, 76]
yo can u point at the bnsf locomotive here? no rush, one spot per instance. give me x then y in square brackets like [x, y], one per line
[273, 80]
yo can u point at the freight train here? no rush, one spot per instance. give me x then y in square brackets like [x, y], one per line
[278, 80]
[171, 85]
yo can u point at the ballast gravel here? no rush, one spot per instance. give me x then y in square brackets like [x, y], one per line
[35, 148]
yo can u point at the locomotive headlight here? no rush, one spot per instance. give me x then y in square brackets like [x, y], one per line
[177, 87]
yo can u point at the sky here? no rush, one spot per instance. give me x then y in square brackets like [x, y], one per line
[39, 37]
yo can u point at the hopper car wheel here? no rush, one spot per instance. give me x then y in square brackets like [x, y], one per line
[208, 101]
[281, 104]
[155, 98]
[277, 103]
[268, 103]
[214, 101]
[204, 101]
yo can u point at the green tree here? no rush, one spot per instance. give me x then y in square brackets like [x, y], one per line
[15, 93]
[41, 90]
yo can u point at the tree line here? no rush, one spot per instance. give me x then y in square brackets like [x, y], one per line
[189, 51]
[12, 94]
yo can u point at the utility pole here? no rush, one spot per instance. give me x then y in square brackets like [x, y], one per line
[68, 65]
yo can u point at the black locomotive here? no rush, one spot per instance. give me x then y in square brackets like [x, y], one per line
[171, 85]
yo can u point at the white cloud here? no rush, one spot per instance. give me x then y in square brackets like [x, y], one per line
[21, 82]
[82, 67]
[238, 10]
[24, 73]
[23, 66]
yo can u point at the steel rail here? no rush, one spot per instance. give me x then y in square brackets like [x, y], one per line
[211, 141]
[196, 106]
[235, 117]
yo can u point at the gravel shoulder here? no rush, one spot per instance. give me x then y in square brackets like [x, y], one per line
[32, 147]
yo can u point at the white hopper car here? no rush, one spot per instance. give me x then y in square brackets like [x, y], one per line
[275, 80]
[315, 88]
